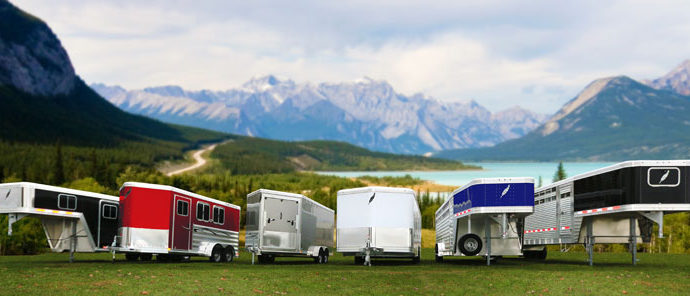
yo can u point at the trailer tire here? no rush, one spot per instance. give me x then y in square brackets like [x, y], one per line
[132, 256]
[325, 256]
[470, 244]
[266, 258]
[162, 257]
[217, 254]
[541, 255]
[229, 253]
[438, 258]
[146, 257]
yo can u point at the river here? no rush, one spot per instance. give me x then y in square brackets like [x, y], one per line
[489, 170]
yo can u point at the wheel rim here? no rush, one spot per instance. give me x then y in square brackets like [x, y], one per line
[471, 245]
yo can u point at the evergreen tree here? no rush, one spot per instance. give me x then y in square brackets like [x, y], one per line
[560, 173]
[59, 172]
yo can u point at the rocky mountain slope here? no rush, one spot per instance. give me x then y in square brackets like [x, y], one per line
[678, 80]
[613, 118]
[42, 100]
[366, 113]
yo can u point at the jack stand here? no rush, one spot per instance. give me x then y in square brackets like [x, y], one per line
[73, 242]
[487, 232]
[633, 240]
[589, 243]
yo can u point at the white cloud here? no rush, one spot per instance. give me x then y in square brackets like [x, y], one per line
[500, 53]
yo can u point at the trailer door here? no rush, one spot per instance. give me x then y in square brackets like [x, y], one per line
[182, 231]
[107, 223]
[280, 225]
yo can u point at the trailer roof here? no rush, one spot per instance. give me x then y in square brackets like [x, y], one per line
[290, 194]
[618, 166]
[178, 190]
[61, 189]
[373, 189]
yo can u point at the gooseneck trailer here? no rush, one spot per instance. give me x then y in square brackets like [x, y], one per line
[172, 223]
[379, 222]
[482, 217]
[615, 204]
[73, 220]
[282, 224]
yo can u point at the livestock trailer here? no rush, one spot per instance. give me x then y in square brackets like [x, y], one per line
[288, 224]
[172, 223]
[379, 222]
[480, 218]
[73, 220]
[616, 204]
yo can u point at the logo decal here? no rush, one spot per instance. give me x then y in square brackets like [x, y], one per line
[372, 198]
[663, 178]
[505, 191]
[8, 194]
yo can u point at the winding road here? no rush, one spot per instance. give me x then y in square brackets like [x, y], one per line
[200, 161]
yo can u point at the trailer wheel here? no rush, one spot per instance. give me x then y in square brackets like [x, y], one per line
[162, 258]
[470, 244]
[131, 256]
[325, 256]
[217, 254]
[541, 255]
[266, 258]
[438, 258]
[146, 257]
[229, 253]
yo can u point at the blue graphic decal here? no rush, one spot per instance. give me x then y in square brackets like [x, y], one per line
[494, 195]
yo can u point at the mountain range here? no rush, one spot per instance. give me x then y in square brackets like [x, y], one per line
[614, 118]
[367, 113]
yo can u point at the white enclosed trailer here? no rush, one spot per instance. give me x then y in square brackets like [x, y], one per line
[379, 222]
[73, 220]
[288, 224]
[616, 204]
[480, 218]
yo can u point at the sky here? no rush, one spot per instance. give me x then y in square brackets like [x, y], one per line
[535, 54]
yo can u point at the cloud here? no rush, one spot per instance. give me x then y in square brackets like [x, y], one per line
[537, 54]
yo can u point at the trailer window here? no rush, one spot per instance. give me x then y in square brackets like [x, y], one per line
[218, 215]
[67, 202]
[203, 212]
[182, 208]
[109, 211]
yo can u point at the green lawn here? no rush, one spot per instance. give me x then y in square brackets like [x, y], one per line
[561, 273]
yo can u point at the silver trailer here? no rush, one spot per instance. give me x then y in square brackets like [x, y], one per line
[480, 218]
[379, 222]
[73, 220]
[615, 204]
[288, 224]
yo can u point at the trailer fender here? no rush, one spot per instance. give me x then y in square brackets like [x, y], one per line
[206, 248]
[313, 251]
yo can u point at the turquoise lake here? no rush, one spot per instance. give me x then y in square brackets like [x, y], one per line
[490, 170]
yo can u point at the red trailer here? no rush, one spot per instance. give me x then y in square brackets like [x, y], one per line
[173, 223]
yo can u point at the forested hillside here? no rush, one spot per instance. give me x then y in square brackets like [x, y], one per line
[246, 155]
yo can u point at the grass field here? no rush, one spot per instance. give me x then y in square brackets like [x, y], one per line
[561, 273]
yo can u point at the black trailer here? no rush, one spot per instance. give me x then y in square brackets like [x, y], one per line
[615, 204]
[73, 220]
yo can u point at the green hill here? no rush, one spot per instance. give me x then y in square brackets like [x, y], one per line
[246, 155]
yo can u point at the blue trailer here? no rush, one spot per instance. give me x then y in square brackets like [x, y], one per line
[481, 218]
